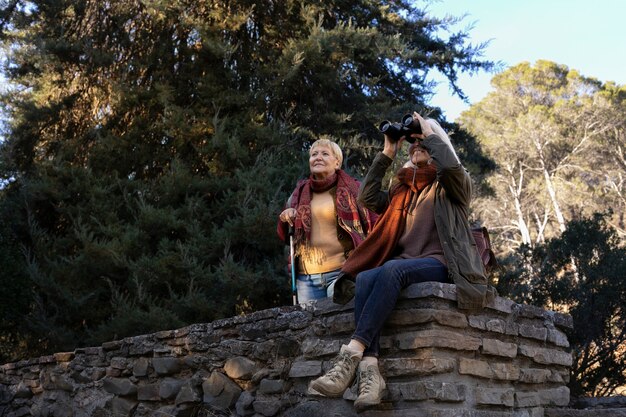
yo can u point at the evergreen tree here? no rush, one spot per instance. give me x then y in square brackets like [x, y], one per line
[151, 145]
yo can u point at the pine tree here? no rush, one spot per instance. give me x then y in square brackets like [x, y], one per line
[151, 145]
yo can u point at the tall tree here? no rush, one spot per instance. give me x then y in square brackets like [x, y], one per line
[152, 144]
[544, 125]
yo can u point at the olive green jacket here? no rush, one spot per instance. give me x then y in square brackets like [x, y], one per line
[452, 198]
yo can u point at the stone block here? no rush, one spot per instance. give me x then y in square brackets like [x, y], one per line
[555, 396]
[170, 387]
[243, 407]
[166, 365]
[427, 390]
[546, 356]
[430, 289]
[534, 375]
[314, 347]
[119, 386]
[57, 381]
[273, 386]
[437, 338]
[341, 323]
[240, 368]
[305, 369]
[498, 348]
[120, 406]
[525, 399]
[495, 396]
[417, 366]
[118, 363]
[140, 367]
[287, 347]
[188, 394]
[500, 371]
[149, 392]
[64, 356]
[533, 331]
[220, 391]
[268, 408]
[426, 315]
[493, 324]
[557, 337]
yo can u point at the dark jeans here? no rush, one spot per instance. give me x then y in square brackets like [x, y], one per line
[377, 291]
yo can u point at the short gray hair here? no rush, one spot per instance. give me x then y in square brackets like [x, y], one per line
[335, 149]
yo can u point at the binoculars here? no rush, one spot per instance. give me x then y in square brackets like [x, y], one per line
[396, 130]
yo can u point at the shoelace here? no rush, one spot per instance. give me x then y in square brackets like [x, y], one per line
[366, 379]
[338, 371]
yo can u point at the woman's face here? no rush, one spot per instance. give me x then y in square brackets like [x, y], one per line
[420, 156]
[322, 162]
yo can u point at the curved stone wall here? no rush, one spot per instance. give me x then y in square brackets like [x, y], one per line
[439, 361]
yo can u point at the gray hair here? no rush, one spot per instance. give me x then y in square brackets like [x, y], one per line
[335, 149]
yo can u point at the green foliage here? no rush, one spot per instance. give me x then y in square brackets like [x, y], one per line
[151, 145]
[15, 295]
[593, 292]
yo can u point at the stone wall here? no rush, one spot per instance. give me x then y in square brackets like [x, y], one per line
[438, 361]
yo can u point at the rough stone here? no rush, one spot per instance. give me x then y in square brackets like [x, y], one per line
[495, 396]
[437, 338]
[148, 392]
[120, 406]
[534, 375]
[267, 408]
[426, 315]
[170, 387]
[431, 390]
[243, 406]
[546, 356]
[273, 386]
[166, 366]
[220, 391]
[498, 348]
[140, 367]
[119, 386]
[533, 331]
[417, 366]
[501, 371]
[305, 369]
[188, 394]
[240, 368]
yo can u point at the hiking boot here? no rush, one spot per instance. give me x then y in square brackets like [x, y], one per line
[339, 377]
[372, 387]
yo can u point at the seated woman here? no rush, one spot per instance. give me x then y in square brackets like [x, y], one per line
[422, 235]
[328, 221]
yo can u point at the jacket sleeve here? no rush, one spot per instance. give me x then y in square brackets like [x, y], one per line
[371, 194]
[450, 173]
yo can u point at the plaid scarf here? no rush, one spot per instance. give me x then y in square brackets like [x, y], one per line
[382, 241]
[351, 217]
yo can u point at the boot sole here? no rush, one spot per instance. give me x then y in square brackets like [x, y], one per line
[322, 393]
[362, 406]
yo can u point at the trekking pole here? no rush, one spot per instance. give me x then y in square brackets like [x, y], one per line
[294, 290]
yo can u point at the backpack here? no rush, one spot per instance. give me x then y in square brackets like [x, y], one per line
[483, 245]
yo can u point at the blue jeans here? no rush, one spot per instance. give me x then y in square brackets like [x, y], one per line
[316, 286]
[377, 291]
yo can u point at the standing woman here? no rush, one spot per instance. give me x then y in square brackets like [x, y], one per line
[328, 221]
[422, 235]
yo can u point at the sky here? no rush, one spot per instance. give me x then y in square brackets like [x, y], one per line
[585, 35]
